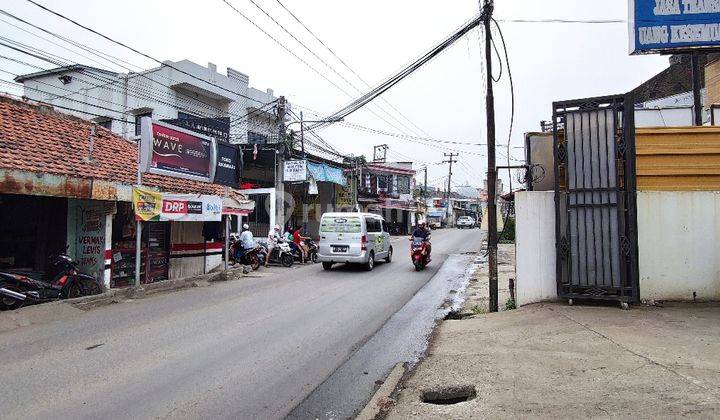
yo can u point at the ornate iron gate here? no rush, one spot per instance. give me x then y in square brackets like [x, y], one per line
[595, 211]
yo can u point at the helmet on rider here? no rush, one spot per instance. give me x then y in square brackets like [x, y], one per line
[246, 226]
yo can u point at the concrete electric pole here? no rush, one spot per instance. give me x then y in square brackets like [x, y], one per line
[451, 160]
[492, 171]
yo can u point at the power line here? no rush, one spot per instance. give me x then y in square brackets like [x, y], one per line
[347, 66]
[254, 3]
[581, 21]
[60, 62]
[138, 94]
[395, 79]
[135, 50]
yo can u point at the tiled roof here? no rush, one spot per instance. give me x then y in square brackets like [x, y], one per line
[38, 139]
[675, 79]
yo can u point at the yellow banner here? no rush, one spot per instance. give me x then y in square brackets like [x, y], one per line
[147, 204]
[343, 196]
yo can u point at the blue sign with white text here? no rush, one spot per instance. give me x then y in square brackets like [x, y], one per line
[669, 25]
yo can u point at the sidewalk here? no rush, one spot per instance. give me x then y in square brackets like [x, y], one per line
[556, 361]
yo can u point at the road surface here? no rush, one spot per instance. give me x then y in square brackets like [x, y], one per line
[254, 348]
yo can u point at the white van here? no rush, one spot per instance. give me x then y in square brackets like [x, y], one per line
[358, 238]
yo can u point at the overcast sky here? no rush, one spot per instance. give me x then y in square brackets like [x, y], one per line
[376, 38]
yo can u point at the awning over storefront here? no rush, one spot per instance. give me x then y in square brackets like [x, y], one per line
[322, 172]
[237, 206]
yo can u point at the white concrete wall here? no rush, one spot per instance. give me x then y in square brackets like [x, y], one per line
[535, 240]
[679, 244]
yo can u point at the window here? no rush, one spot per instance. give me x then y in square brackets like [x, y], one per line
[256, 138]
[403, 184]
[138, 118]
[384, 226]
[382, 182]
[105, 123]
[340, 225]
[373, 225]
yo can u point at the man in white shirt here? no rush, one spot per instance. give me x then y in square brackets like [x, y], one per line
[246, 238]
[272, 241]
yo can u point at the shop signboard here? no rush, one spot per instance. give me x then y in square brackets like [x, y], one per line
[169, 150]
[229, 165]
[666, 26]
[343, 196]
[162, 207]
[89, 247]
[295, 171]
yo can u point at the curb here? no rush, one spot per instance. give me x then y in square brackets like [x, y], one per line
[381, 400]
[52, 311]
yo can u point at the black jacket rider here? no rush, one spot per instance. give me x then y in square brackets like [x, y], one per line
[421, 232]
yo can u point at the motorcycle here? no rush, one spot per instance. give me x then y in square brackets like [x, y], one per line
[249, 257]
[419, 253]
[312, 251]
[61, 281]
[281, 254]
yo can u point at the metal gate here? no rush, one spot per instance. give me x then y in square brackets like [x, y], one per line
[595, 212]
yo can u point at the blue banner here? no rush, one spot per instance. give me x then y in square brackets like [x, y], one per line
[669, 25]
[321, 172]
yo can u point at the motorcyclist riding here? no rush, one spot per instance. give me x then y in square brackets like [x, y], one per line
[247, 241]
[422, 232]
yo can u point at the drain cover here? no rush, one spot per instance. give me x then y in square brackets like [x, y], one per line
[449, 395]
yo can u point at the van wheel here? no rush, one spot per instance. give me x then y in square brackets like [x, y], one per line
[370, 264]
[327, 266]
[388, 259]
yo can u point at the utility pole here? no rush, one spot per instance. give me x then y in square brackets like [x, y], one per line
[425, 191]
[279, 164]
[302, 134]
[492, 171]
[451, 160]
[697, 100]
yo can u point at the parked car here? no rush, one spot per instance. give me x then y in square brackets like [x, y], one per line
[465, 222]
[356, 238]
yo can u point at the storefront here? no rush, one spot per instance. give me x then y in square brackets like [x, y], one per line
[31, 228]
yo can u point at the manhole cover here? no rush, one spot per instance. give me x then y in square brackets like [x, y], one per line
[449, 395]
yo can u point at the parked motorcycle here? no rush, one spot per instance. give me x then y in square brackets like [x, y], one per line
[61, 281]
[419, 253]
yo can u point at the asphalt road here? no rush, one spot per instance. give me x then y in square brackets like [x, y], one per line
[254, 348]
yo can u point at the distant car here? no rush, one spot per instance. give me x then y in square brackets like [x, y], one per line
[465, 222]
[434, 224]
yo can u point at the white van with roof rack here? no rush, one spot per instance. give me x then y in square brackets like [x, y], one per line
[355, 238]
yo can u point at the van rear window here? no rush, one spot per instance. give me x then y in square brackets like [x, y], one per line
[340, 225]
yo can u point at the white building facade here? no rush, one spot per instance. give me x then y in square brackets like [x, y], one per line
[180, 90]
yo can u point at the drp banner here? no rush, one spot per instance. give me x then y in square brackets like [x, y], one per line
[154, 206]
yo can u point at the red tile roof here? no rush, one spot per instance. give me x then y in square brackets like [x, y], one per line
[38, 139]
